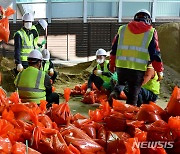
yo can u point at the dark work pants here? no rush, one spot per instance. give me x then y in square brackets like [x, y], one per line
[134, 79]
[52, 98]
[96, 80]
[145, 96]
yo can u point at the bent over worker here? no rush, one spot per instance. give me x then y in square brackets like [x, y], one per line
[134, 45]
[33, 84]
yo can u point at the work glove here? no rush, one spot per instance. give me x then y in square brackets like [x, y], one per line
[19, 67]
[51, 72]
[98, 72]
[88, 90]
[160, 76]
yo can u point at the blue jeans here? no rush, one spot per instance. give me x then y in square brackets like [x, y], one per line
[145, 96]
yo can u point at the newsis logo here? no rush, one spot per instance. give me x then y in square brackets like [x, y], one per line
[153, 144]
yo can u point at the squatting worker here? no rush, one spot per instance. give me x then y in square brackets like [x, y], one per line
[34, 84]
[101, 76]
[134, 45]
[23, 42]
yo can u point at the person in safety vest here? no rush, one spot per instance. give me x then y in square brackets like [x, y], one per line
[101, 76]
[34, 84]
[36, 29]
[134, 45]
[47, 65]
[150, 87]
[23, 42]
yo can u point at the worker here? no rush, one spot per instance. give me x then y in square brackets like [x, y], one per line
[150, 87]
[134, 45]
[47, 65]
[40, 25]
[23, 42]
[101, 76]
[33, 84]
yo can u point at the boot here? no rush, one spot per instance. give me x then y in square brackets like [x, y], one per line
[114, 95]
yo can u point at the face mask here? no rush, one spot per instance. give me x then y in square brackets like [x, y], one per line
[100, 61]
[28, 25]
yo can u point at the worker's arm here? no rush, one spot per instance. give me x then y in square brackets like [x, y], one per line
[155, 55]
[47, 84]
[17, 48]
[149, 74]
[113, 54]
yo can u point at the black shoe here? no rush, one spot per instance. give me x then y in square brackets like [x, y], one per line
[115, 95]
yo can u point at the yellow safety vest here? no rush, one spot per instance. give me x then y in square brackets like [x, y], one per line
[46, 66]
[105, 78]
[30, 84]
[27, 44]
[153, 85]
[132, 51]
[37, 38]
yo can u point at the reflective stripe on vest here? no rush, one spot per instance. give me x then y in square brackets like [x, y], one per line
[30, 83]
[46, 66]
[153, 85]
[103, 77]
[27, 44]
[132, 51]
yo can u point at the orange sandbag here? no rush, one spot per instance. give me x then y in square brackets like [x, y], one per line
[173, 107]
[148, 114]
[81, 140]
[61, 113]
[4, 30]
[89, 98]
[129, 143]
[14, 98]
[96, 115]
[174, 124]
[5, 145]
[159, 131]
[20, 147]
[115, 142]
[67, 93]
[115, 122]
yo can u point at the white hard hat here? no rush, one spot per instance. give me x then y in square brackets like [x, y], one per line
[46, 54]
[36, 54]
[101, 52]
[43, 23]
[144, 11]
[28, 17]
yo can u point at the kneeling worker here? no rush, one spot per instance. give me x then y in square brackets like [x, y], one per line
[33, 84]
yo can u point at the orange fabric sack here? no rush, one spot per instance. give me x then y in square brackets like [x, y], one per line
[173, 107]
[4, 25]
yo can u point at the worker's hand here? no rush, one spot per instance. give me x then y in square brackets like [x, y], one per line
[98, 72]
[51, 72]
[160, 76]
[88, 90]
[19, 67]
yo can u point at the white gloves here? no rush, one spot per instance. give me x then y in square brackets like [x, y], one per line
[19, 67]
[98, 72]
[88, 90]
[51, 72]
[160, 76]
